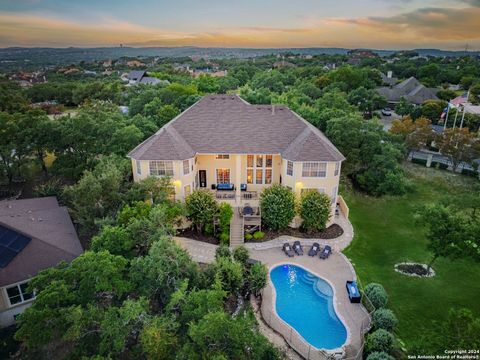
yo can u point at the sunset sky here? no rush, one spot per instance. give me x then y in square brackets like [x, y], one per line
[388, 24]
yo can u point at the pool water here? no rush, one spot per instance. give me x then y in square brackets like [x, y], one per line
[305, 302]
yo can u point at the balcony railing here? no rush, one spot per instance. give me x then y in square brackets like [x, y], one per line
[230, 195]
[249, 195]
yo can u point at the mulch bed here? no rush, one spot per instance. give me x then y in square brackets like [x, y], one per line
[414, 269]
[332, 232]
[192, 234]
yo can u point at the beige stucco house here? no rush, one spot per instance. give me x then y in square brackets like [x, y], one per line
[236, 149]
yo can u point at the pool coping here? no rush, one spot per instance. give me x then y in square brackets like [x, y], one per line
[348, 341]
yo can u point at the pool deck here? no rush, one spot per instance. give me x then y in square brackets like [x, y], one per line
[336, 270]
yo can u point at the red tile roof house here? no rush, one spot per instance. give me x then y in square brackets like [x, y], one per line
[35, 234]
[236, 149]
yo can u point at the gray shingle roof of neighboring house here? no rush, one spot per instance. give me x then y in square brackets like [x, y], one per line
[388, 80]
[226, 124]
[410, 89]
[136, 75]
[53, 236]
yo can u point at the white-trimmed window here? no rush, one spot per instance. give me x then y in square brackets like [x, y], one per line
[334, 195]
[314, 169]
[259, 169]
[289, 168]
[18, 294]
[223, 176]
[222, 156]
[337, 168]
[161, 168]
[186, 167]
[138, 165]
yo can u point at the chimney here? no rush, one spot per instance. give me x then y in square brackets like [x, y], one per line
[389, 74]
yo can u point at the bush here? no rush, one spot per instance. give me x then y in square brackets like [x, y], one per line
[201, 207]
[377, 295]
[384, 319]
[222, 252]
[314, 210]
[257, 278]
[379, 355]
[257, 235]
[225, 213]
[224, 238]
[52, 187]
[248, 236]
[241, 254]
[380, 341]
[278, 207]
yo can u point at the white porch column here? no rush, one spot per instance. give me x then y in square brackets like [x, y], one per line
[238, 179]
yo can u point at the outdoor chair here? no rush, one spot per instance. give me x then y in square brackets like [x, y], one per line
[287, 249]
[327, 250]
[314, 249]
[298, 248]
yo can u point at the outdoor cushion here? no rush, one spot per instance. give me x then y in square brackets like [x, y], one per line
[225, 186]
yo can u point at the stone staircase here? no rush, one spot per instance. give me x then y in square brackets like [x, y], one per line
[236, 230]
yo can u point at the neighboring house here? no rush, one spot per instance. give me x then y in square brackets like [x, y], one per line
[135, 63]
[410, 89]
[208, 71]
[328, 67]
[141, 77]
[236, 149]
[355, 56]
[35, 234]
[388, 79]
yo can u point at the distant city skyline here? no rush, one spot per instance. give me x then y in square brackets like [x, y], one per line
[377, 24]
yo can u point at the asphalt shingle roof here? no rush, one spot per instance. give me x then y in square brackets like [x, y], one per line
[226, 124]
[411, 89]
[53, 236]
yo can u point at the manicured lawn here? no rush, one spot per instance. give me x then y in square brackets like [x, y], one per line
[386, 233]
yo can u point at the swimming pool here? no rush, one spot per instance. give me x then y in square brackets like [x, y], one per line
[305, 302]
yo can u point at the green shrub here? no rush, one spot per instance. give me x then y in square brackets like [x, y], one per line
[377, 295]
[380, 341]
[257, 278]
[248, 236]
[278, 207]
[52, 187]
[241, 254]
[222, 251]
[225, 238]
[225, 213]
[384, 319]
[201, 207]
[379, 355]
[314, 210]
[257, 235]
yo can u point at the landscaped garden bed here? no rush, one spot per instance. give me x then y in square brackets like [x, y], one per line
[414, 269]
[332, 232]
[192, 234]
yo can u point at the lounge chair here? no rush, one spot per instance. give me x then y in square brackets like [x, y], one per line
[327, 250]
[314, 249]
[287, 249]
[298, 248]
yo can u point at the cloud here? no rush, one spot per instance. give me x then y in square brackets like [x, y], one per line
[439, 27]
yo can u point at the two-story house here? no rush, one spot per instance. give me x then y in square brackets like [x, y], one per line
[236, 149]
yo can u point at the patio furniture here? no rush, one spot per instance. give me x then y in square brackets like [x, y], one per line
[298, 248]
[353, 292]
[327, 250]
[287, 249]
[247, 210]
[225, 187]
[314, 249]
[243, 187]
